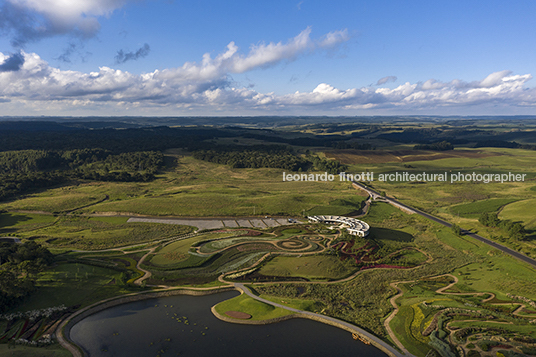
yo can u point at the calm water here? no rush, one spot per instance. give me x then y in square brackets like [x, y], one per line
[184, 326]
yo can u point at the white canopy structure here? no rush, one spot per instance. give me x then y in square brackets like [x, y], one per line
[352, 225]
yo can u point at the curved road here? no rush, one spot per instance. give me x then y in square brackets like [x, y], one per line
[487, 241]
[332, 321]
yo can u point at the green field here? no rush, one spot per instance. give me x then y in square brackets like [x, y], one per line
[315, 267]
[62, 199]
[257, 309]
[178, 251]
[74, 284]
[478, 207]
[524, 211]
[88, 233]
[196, 188]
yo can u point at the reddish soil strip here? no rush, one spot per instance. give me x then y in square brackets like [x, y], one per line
[238, 315]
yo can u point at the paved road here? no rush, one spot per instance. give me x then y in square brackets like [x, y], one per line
[489, 242]
[333, 321]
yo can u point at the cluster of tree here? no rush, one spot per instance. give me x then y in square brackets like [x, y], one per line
[19, 266]
[438, 146]
[413, 135]
[504, 144]
[114, 140]
[24, 161]
[25, 170]
[115, 176]
[14, 184]
[515, 229]
[456, 229]
[497, 144]
[329, 166]
[274, 156]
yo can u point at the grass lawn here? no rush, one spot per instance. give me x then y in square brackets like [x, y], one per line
[178, 251]
[90, 233]
[316, 267]
[300, 304]
[524, 211]
[55, 200]
[11, 221]
[474, 209]
[257, 309]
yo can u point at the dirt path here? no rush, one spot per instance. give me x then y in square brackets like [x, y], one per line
[387, 321]
[147, 274]
[442, 291]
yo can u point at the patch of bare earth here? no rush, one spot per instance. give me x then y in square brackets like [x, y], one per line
[238, 315]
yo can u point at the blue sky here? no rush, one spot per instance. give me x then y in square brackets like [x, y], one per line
[166, 57]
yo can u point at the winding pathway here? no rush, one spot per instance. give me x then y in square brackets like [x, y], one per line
[331, 321]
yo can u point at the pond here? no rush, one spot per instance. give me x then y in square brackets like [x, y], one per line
[185, 326]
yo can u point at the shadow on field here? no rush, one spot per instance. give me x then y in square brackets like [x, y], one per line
[390, 234]
[531, 235]
[8, 220]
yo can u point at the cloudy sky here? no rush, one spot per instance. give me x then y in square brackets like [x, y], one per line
[310, 57]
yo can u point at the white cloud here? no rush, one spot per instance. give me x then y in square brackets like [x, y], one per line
[37, 86]
[31, 20]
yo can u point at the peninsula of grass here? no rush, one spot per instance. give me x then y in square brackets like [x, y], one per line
[258, 310]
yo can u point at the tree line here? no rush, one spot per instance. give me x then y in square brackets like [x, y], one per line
[439, 146]
[270, 156]
[515, 230]
[19, 266]
[26, 170]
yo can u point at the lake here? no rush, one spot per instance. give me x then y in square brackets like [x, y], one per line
[184, 326]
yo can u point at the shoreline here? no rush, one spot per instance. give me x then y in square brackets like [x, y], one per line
[63, 331]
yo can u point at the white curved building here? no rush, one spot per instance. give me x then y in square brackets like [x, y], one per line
[352, 225]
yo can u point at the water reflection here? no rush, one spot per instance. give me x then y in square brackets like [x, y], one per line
[184, 326]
